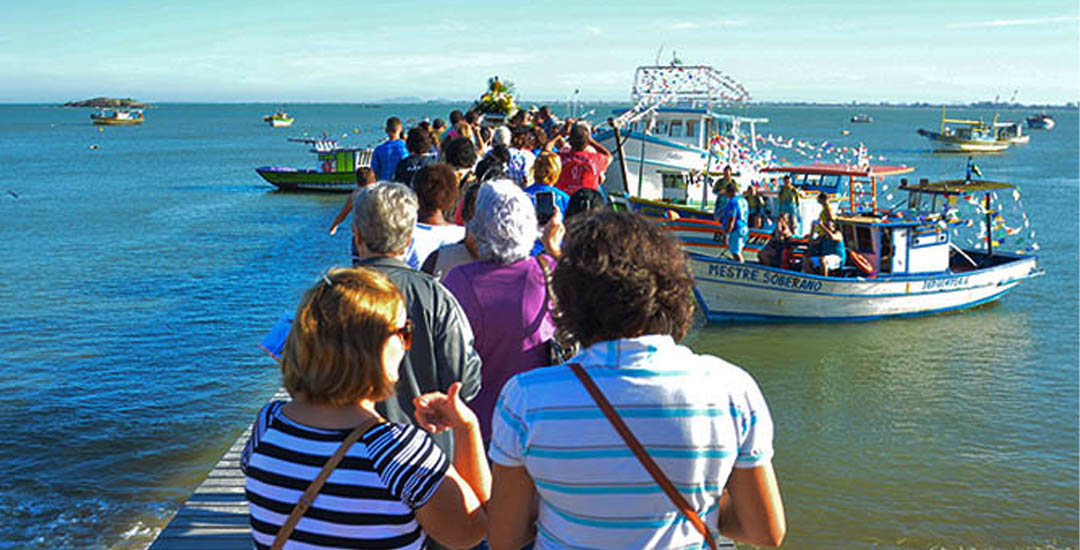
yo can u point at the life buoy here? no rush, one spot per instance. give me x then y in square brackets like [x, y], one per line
[327, 166]
[861, 263]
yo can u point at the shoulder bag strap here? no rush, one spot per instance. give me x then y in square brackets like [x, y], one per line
[643, 456]
[312, 491]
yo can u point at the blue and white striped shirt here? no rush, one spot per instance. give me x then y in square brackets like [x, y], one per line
[698, 416]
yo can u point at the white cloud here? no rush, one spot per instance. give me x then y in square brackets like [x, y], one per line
[1013, 22]
[691, 25]
[592, 31]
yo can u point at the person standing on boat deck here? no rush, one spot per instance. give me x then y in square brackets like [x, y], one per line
[719, 189]
[758, 207]
[384, 215]
[436, 192]
[580, 168]
[385, 158]
[735, 224]
[563, 475]
[419, 145]
[393, 488]
[504, 293]
[789, 201]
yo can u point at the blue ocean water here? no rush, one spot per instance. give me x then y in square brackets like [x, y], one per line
[138, 277]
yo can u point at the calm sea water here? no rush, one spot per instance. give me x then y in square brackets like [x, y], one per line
[138, 277]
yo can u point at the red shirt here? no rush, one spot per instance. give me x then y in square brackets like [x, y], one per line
[581, 169]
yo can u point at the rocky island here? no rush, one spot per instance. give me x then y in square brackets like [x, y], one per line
[107, 102]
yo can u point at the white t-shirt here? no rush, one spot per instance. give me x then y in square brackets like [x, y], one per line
[427, 238]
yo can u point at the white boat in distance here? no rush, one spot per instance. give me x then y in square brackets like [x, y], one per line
[901, 263]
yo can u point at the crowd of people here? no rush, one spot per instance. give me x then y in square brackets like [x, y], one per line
[821, 252]
[438, 385]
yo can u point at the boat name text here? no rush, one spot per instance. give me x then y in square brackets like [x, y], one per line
[781, 280]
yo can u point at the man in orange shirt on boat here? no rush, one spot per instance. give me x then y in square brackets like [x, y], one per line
[580, 167]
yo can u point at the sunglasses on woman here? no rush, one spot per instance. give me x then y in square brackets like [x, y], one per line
[406, 333]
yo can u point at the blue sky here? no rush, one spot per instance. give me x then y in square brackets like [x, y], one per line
[314, 51]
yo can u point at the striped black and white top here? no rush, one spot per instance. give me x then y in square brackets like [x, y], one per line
[367, 502]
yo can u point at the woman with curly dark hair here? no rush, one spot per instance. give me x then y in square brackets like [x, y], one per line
[563, 475]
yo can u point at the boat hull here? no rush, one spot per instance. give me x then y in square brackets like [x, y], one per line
[279, 123]
[289, 179]
[1041, 123]
[953, 144]
[728, 291]
[696, 229]
[117, 122]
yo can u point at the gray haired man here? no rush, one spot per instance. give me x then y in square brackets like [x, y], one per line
[442, 352]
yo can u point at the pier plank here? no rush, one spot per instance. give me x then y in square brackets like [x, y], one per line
[215, 516]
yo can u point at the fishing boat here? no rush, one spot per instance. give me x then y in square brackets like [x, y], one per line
[966, 136]
[902, 261]
[676, 126]
[1041, 121]
[862, 118]
[1013, 132]
[280, 119]
[336, 171]
[117, 117]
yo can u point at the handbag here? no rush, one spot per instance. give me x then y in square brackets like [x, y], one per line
[312, 491]
[642, 455]
[558, 353]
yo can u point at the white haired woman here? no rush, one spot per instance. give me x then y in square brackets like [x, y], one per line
[504, 293]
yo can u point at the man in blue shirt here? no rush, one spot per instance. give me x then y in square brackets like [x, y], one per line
[385, 158]
[734, 222]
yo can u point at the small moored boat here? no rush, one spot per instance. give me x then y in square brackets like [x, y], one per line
[336, 172]
[862, 118]
[1013, 132]
[280, 119]
[117, 117]
[1041, 121]
[966, 136]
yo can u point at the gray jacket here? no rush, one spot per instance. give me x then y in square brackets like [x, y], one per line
[442, 348]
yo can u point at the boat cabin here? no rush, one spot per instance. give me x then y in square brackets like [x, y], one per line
[334, 158]
[692, 125]
[850, 188]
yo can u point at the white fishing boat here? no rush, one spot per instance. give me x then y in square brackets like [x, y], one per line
[902, 262]
[1013, 132]
[117, 117]
[677, 126]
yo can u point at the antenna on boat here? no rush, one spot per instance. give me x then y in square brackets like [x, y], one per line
[658, 52]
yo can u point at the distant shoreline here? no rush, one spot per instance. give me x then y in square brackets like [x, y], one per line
[379, 104]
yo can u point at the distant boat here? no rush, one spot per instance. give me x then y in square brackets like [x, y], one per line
[1041, 121]
[280, 119]
[1012, 131]
[862, 117]
[966, 136]
[336, 173]
[117, 117]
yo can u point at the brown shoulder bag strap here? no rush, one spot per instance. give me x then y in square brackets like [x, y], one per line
[642, 455]
[312, 491]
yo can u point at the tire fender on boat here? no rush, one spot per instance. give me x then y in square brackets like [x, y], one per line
[327, 166]
[861, 263]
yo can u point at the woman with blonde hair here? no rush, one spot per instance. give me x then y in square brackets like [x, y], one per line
[546, 169]
[392, 487]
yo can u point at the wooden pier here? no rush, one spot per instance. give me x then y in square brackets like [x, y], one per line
[215, 517]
